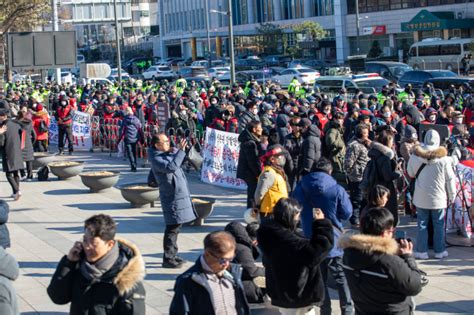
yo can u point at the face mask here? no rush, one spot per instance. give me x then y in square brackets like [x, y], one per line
[255, 111]
[281, 160]
[183, 112]
[432, 117]
[63, 103]
[326, 111]
[311, 117]
[372, 108]
[414, 135]
[387, 114]
[458, 121]
[214, 103]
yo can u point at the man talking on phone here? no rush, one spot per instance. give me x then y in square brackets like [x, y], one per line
[175, 198]
[101, 274]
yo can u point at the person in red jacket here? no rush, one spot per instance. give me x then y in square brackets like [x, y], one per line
[64, 115]
[41, 124]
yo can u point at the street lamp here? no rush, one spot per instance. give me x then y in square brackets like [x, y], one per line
[231, 39]
[358, 18]
[117, 43]
[209, 57]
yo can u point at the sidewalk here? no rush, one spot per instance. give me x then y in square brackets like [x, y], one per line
[48, 218]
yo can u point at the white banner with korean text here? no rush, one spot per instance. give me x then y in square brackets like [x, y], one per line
[221, 155]
[81, 131]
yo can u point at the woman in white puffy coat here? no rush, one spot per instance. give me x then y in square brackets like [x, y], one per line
[435, 189]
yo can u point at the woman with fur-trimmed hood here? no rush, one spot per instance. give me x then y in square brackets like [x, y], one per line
[101, 275]
[382, 274]
[435, 189]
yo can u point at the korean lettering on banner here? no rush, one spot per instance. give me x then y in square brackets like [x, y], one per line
[221, 155]
[81, 131]
[163, 114]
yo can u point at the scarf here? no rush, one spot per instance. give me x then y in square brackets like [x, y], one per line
[94, 271]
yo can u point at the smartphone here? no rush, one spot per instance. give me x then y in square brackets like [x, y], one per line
[400, 235]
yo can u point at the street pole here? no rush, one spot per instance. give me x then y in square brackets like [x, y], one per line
[231, 43]
[357, 26]
[206, 8]
[117, 43]
[55, 29]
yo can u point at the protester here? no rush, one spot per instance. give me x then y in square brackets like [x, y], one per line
[64, 116]
[131, 135]
[311, 147]
[41, 125]
[27, 141]
[335, 148]
[101, 274]
[213, 286]
[246, 253]
[4, 233]
[10, 145]
[320, 190]
[435, 189]
[272, 183]
[249, 167]
[292, 262]
[377, 198]
[175, 198]
[382, 274]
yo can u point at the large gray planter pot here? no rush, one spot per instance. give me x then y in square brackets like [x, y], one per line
[42, 159]
[98, 181]
[203, 209]
[68, 170]
[139, 194]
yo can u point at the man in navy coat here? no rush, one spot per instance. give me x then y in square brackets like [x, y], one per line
[175, 198]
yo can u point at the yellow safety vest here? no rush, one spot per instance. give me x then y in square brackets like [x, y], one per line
[276, 192]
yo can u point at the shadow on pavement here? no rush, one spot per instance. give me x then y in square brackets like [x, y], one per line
[100, 206]
[38, 275]
[446, 307]
[73, 229]
[37, 264]
[61, 192]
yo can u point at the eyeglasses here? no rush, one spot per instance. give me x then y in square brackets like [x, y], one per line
[222, 261]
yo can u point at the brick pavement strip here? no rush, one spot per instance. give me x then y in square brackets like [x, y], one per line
[48, 218]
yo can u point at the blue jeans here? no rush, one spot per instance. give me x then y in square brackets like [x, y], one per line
[334, 266]
[437, 218]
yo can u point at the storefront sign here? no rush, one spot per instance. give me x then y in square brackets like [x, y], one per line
[374, 30]
[221, 155]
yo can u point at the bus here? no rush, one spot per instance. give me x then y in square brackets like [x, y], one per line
[437, 54]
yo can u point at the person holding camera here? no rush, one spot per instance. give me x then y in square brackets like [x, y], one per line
[166, 164]
[101, 274]
[382, 274]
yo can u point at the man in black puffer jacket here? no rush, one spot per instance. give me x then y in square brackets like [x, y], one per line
[382, 274]
[311, 147]
[245, 254]
[250, 167]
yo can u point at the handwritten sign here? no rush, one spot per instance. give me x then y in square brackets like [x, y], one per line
[221, 155]
[81, 131]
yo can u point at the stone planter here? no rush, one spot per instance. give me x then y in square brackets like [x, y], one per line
[98, 181]
[139, 194]
[66, 169]
[42, 159]
[204, 207]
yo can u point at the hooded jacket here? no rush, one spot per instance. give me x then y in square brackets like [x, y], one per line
[380, 281]
[245, 118]
[30, 138]
[249, 167]
[9, 272]
[131, 129]
[435, 186]
[336, 148]
[356, 160]
[320, 190]
[38, 117]
[292, 262]
[119, 291]
[282, 122]
[310, 150]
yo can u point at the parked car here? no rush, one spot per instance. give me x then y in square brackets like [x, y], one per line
[277, 60]
[217, 72]
[138, 64]
[114, 75]
[94, 81]
[193, 71]
[444, 83]
[417, 77]
[159, 73]
[242, 77]
[304, 75]
[389, 70]
[367, 83]
[249, 64]
[201, 81]
[308, 63]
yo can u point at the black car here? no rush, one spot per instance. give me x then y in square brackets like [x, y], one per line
[417, 77]
[444, 83]
[389, 70]
[138, 64]
[243, 77]
[249, 64]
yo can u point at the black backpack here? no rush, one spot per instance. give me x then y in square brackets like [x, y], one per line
[42, 128]
[43, 173]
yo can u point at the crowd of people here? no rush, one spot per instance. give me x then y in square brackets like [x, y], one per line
[312, 161]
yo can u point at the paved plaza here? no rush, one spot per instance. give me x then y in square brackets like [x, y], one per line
[48, 218]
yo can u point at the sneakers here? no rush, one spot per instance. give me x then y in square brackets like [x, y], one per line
[17, 196]
[441, 255]
[172, 264]
[421, 255]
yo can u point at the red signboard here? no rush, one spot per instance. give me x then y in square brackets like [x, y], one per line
[379, 30]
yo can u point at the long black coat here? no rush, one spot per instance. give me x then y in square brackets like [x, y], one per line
[10, 146]
[249, 167]
[310, 150]
[119, 291]
[30, 138]
[380, 281]
[293, 276]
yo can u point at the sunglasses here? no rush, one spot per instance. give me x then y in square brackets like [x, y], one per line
[222, 261]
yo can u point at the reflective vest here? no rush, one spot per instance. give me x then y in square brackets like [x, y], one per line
[276, 192]
[294, 87]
